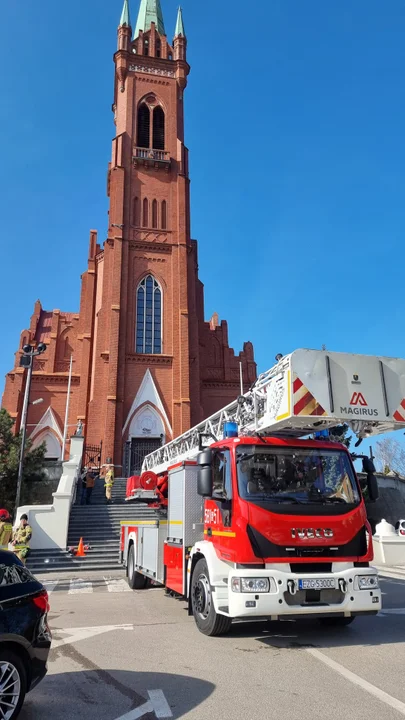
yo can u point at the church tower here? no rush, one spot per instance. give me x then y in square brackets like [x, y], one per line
[142, 337]
[147, 367]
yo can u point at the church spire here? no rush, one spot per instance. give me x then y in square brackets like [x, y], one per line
[125, 19]
[179, 24]
[150, 12]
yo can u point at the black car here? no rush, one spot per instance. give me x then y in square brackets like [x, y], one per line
[25, 638]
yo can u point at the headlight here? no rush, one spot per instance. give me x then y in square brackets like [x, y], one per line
[367, 582]
[250, 585]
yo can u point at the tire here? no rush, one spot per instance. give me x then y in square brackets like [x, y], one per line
[15, 670]
[337, 621]
[135, 579]
[206, 618]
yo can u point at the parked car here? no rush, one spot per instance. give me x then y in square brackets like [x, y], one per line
[25, 638]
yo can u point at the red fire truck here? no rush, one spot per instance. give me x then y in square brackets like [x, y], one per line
[255, 513]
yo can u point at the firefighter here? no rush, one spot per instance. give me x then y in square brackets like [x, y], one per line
[90, 483]
[109, 482]
[21, 539]
[6, 529]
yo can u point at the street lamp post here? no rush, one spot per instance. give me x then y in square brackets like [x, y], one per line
[27, 360]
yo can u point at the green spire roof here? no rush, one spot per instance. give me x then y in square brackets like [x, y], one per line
[179, 24]
[149, 12]
[125, 19]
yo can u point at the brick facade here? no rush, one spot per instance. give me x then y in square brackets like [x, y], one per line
[195, 372]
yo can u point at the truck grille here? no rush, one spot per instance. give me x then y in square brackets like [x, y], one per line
[264, 548]
[314, 597]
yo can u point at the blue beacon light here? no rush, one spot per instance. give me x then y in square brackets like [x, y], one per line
[230, 430]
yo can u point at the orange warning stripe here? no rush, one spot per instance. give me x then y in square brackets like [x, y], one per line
[304, 401]
[400, 413]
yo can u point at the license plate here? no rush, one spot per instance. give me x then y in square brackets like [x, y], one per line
[317, 584]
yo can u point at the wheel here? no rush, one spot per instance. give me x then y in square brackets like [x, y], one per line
[13, 684]
[337, 621]
[136, 580]
[207, 619]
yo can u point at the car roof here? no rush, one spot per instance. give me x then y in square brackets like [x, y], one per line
[9, 558]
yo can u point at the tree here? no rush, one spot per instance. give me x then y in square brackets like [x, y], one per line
[390, 456]
[10, 446]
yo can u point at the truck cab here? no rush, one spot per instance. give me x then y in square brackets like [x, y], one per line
[288, 519]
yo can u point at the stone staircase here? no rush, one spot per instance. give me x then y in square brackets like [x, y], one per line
[99, 526]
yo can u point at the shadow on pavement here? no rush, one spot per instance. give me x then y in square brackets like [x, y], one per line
[109, 695]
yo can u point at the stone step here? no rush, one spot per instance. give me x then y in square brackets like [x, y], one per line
[111, 507]
[100, 503]
[99, 526]
[94, 557]
[111, 547]
[100, 540]
[103, 516]
[93, 520]
[108, 510]
[108, 517]
[95, 554]
[80, 564]
[93, 539]
[96, 528]
[116, 511]
[105, 523]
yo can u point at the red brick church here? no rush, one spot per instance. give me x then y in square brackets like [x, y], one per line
[146, 365]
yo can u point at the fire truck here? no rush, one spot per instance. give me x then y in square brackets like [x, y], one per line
[257, 512]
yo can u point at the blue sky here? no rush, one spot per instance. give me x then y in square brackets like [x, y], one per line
[295, 117]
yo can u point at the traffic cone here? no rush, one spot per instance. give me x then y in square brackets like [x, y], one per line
[80, 549]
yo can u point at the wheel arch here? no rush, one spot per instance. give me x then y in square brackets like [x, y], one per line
[192, 563]
[22, 652]
[217, 569]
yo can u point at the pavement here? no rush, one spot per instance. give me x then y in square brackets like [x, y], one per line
[122, 655]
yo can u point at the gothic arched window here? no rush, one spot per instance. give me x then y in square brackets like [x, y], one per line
[164, 215]
[154, 214]
[143, 130]
[149, 317]
[158, 129]
[145, 213]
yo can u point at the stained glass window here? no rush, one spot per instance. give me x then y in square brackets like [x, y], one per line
[149, 317]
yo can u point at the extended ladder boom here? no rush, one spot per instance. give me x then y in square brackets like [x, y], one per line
[306, 391]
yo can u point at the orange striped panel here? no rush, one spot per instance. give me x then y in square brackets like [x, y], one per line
[304, 401]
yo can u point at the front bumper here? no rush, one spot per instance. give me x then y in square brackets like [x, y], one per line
[284, 598]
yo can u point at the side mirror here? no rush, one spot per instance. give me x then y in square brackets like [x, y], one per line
[368, 466]
[372, 486]
[204, 473]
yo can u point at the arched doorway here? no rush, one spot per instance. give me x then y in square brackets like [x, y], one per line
[146, 434]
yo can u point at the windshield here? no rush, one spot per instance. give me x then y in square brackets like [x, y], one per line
[296, 475]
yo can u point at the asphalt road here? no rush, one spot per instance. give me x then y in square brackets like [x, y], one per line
[122, 655]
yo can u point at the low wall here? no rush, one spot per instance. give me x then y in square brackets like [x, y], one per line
[50, 523]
